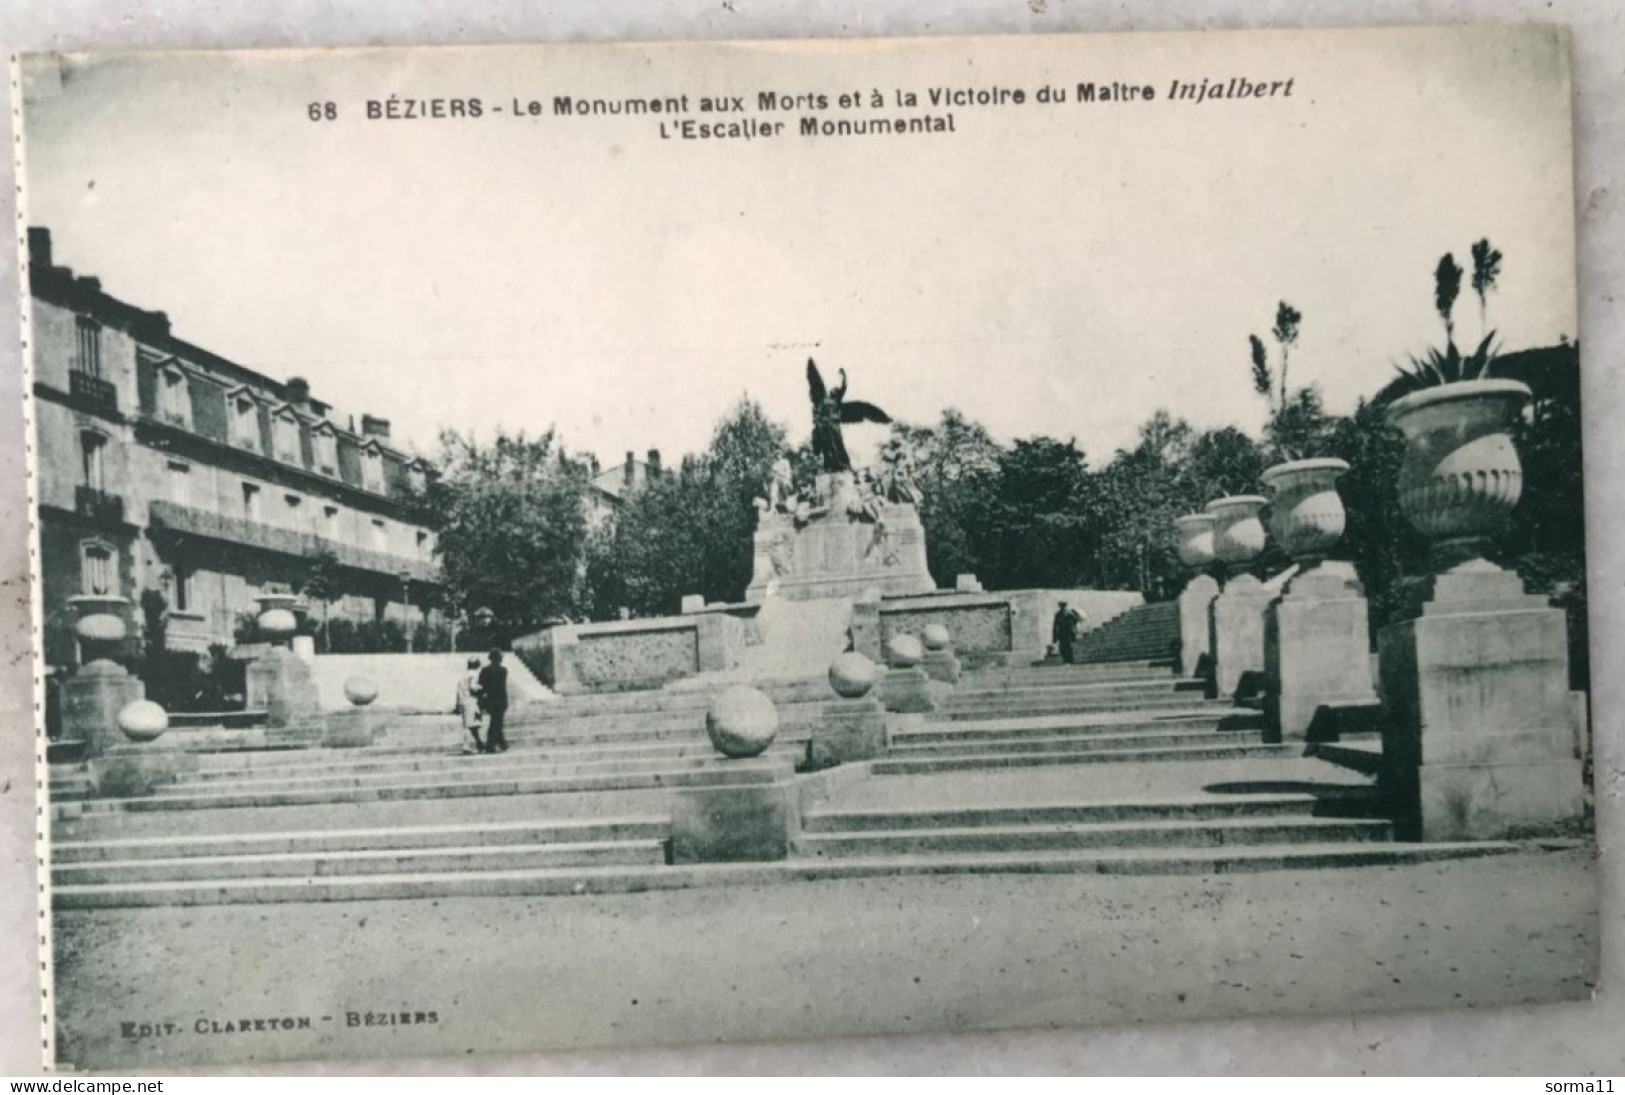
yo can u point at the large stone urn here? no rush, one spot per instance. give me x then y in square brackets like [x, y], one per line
[1477, 734]
[1236, 616]
[1461, 477]
[93, 697]
[1238, 531]
[1317, 643]
[1306, 512]
[1195, 546]
[279, 681]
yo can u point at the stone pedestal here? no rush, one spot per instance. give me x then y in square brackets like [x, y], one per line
[1236, 633]
[942, 666]
[1195, 628]
[837, 550]
[91, 701]
[281, 684]
[1477, 741]
[847, 730]
[1317, 648]
[748, 822]
[908, 690]
[865, 629]
[353, 729]
[135, 771]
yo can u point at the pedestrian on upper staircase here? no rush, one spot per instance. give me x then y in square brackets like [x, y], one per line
[493, 685]
[1064, 631]
[468, 702]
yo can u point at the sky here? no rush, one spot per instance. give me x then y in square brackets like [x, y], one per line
[1047, 269]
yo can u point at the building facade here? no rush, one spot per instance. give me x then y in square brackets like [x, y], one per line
[610, 488]
[163, 467]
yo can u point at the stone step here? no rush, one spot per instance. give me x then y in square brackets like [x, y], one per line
[1045, 676]
[326, 841]
[1149, 834]
[970, 693]
[1200, 808]
[332, 763]
[385, 861]
[222, 720]
[736, 772]
[1077, 743]
[673, 699]
[1359, 755]
[474, 768]
[903, 766]
[1017, 708]
[1000, 730]
[389, 814]
[606, 880]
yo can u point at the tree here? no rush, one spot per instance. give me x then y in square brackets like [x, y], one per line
[511, 528]
[323, 583]
[1043, 526]
[956, 465]
[1486, 271]
[690, 531]
[1287, 421]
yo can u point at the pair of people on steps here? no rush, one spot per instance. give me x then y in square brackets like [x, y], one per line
[482, 697]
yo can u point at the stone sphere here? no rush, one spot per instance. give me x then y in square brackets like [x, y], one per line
[277, 623]
[143, 720]
[102, 627]
[935, 637]
[360, 690]
[851, 675]
[742, 721]
[904, 652]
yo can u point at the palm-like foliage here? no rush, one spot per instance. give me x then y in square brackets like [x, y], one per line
[1449, 365]
[1446, 288]
[1262, 382]
[1285, 333]
[1486, 271]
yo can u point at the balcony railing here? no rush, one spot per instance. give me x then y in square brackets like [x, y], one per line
[98, 505]
[257, 534]
[99, 393]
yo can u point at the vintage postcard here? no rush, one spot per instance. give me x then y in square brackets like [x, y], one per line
[626, 544]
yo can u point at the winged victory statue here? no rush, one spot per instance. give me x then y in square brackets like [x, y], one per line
[832, 410]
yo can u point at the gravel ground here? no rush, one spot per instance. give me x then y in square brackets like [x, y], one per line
[811, 960]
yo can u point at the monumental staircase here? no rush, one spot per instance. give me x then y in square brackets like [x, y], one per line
[1117, 766]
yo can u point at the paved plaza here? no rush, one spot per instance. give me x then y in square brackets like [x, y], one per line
[808, 960]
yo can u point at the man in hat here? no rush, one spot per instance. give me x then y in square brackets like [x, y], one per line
[1064, 631]
[494, 702]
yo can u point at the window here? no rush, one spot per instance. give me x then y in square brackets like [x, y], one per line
[330, 522]
[91, 450]
[251, 501]
[180, 483]
[326, 450]
[372, 470]
[423, 544]
[174, 398]
[183, 582]
[380, 535]
[98, 568]
[295, 511]
[245, 422]
[89, 360]
[285, 439]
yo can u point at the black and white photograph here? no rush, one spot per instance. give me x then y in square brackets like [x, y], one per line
[633, 544]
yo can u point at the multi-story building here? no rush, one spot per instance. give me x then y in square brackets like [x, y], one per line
[609, 489]
[162, 466]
